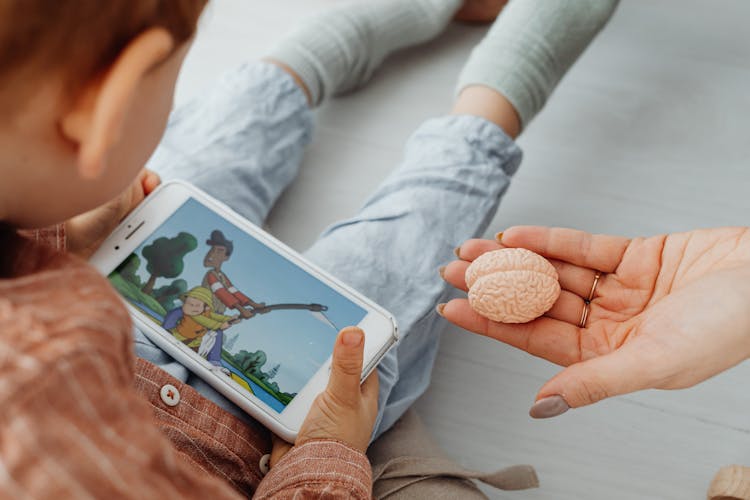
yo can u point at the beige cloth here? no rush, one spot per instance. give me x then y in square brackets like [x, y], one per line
[407, 463]
[730, 483]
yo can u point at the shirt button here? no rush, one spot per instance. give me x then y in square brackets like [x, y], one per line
[264, 464]
[170, 395]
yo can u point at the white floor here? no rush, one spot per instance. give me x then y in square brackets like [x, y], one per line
[647, 134]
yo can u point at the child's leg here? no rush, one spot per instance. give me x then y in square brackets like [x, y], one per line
[243, 141]
[446, 190]
[340, 50]
[530, 48]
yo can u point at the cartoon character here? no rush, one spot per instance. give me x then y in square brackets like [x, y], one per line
[191, 322]
[224, 293]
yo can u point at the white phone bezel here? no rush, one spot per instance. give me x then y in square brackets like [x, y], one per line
[379, 325]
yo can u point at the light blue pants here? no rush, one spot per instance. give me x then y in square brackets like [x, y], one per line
[243, 141]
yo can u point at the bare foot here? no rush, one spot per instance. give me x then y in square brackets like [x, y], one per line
[480, 11]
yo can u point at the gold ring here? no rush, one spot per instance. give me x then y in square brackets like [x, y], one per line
[593, 286]
[584, 314]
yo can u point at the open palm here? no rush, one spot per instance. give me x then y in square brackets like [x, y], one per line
[668, 311]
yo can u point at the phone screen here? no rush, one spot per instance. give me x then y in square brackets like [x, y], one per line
[247, 312]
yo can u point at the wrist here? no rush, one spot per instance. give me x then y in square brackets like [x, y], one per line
[314, 460]
[332, 440]
[56, 237]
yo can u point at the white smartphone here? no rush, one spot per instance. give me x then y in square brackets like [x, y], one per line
[236, 306]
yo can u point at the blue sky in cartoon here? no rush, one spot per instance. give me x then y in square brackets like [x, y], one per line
[295, 339]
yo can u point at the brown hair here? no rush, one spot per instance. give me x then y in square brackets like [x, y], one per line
[78, 39]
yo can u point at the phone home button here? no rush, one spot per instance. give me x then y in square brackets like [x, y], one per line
[170, 395]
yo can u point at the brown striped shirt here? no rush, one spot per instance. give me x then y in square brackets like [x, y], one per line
[80, 417]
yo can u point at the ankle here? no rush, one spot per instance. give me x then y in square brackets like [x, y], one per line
[295, 76]
[488, 103]
[338, 51]
[530, 48]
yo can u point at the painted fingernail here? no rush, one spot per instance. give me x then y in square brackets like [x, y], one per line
[499, 237]
[457, 251]
[441, 270]
[548, 407]
[352, 338]
[440, 308]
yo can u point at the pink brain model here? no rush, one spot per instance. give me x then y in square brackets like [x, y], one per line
[512, 285]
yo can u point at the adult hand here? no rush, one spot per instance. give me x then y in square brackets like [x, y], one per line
[346, 410]
[480, 11]
[669, 311]
[86, 232]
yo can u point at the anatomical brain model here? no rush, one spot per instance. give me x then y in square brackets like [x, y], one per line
[512, 285]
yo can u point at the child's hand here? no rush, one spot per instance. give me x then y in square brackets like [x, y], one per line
[346, 410]
[226, 325]
[480, 11]
[86, 232]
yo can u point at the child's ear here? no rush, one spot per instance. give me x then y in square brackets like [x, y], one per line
[94, 122]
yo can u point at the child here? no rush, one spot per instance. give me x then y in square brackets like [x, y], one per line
[190, 323]
[87, 87]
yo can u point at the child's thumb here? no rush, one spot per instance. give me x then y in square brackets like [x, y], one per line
[346, 367]
[590, 381]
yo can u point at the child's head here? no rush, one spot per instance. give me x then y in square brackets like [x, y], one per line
[86, 89]
[196, 301]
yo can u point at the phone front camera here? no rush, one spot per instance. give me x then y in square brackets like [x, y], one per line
[117, 247]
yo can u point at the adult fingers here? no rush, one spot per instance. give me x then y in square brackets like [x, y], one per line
[599, 252]
[568, 308]
[585, 383]
[471, 249]
[547, 338]
[576, 279]
[346, 366]
[455, 274]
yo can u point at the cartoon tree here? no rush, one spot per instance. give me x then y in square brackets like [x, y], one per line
[128, 269]
[164, 257]
[250, 362]
[166, 295]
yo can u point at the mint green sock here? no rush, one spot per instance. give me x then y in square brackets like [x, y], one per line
[530, 48]
[339, 50]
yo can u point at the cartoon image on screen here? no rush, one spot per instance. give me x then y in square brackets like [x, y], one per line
[248, 312]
